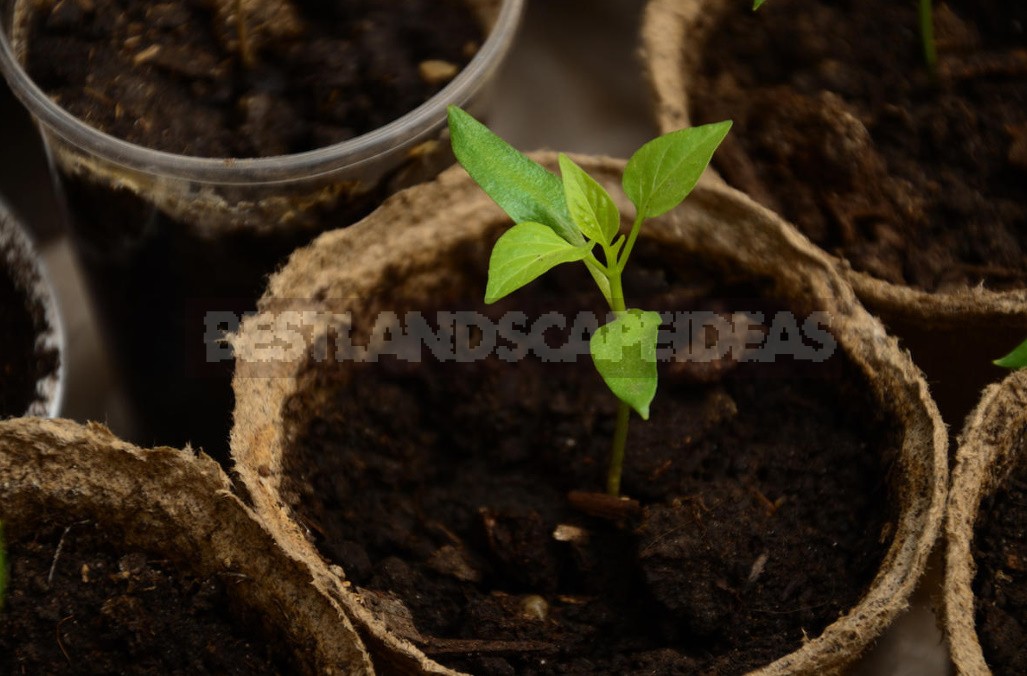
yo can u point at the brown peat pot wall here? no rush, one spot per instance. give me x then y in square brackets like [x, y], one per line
[841, 105]
[985, 585]
[125, 553]
[449, 494]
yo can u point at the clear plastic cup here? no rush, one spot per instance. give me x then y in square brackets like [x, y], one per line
[174, 246]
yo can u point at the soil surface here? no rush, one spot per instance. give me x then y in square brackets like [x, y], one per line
[456, 497]
[80, 603]
[171, 75]
[840, 128]
[22, 365]
[1000, 586]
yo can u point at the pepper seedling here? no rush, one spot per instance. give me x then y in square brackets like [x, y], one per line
[568, 218]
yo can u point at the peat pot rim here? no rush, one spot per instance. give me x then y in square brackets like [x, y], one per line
[989, 447]
[416, 125]
[32, 279]
[181, 506]
[404, 237]
[667, 26]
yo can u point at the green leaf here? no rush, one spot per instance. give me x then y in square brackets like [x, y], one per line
[756, 4]
[662, 172]
[522, 188]
[524, 252]
[589, 204]
[624, 352]
[1017, 359]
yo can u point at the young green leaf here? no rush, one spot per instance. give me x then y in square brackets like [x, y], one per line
[662, 172]
[589, 204]
[1017, 359]
[756, 4]
[624, 352]
[524, 252]
[522, 188]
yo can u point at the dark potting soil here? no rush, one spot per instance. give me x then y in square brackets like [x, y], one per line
[1000, 585]
[840, 128]
[22, 363]
[169, 75]
[445, 490]
[80, 603]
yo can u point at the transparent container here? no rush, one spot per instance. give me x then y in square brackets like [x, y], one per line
[21, 264]
[176, 247]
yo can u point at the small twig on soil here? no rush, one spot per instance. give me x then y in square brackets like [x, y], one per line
[239, 576]
[245, 47]
[603, 505]
[57, 555]
[57, 631]
[770, 505]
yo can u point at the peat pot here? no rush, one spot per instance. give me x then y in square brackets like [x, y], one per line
[912, 183]
[440, 457]
[123, 559]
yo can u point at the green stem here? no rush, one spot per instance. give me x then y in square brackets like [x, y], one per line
[626, 252]
[616, 292]
[620, 438]
[927, 35]
[620, 431]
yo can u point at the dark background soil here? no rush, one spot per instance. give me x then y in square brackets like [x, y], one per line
[352, 68]
[840, 128]
[1000, 586]
[22, 365]
[111, 610]
[764, 502]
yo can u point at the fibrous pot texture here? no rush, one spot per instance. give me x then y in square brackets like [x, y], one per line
[410, 251]
[991, 453]
[174, 506]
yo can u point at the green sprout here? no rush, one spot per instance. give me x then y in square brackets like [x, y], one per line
[564, 219]
[925, 12]
[1017, 359]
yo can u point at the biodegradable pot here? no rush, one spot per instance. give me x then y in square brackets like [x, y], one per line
[174, 506]
[675, 35]
[176, 248]
[405, 251]
[20, 262]
[990, 448]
